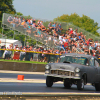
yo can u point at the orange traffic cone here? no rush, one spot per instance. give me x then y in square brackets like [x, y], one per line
[20, 77]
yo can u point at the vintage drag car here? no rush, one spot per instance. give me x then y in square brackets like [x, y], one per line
[72, 68]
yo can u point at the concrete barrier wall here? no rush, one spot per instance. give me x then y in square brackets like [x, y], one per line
[17, 66]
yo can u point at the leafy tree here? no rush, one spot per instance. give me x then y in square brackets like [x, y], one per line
[20, 38]
[6, 6]
[27, 17]
[19, 13]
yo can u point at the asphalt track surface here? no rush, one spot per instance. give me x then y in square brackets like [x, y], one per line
[35, 83]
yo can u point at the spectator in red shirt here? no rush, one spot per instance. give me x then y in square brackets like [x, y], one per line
[65, 45]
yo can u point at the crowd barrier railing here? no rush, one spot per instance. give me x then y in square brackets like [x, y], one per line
[11, 54]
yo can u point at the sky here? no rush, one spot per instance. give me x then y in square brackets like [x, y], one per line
[50, 9]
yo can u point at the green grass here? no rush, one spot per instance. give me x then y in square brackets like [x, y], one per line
[23, 61]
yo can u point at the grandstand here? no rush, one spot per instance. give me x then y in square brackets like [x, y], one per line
[28, 30]
[33, 33]
[58, 38]
[49, 35]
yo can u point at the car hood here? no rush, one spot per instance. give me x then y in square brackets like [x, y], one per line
[65, 66]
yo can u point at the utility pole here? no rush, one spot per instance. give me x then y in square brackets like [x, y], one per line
[25, 40]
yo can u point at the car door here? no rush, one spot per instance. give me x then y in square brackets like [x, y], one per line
[92, 71]
[96, 66]
[99, 73]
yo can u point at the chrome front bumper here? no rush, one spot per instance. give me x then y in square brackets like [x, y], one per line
[62, 76]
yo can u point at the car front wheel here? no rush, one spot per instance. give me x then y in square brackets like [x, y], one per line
[49, 81]
[80, 84]
[67, 84]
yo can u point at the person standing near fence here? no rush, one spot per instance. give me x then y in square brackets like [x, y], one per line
[23, 53]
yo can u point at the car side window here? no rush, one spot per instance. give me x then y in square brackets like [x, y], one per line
[86, 62]
[96, 63]
[92, 62]
[62, 59]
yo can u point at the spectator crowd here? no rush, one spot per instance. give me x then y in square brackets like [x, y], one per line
[69, 42]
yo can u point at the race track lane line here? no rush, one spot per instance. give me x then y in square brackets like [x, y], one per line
[25, 80]
[21, 72]
[28, 80]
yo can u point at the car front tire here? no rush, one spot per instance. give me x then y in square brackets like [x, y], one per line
[80, 84]
[49, 81]
[67, 84]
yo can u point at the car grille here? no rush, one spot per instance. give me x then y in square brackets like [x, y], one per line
[60, 72]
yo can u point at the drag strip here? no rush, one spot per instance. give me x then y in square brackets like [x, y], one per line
[35, 82]
[41, 87]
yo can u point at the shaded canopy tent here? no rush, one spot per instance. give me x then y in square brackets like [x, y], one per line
[8, 42]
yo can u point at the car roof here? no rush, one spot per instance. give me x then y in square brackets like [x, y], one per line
[80, 55]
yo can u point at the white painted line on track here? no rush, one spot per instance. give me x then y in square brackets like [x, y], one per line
[25, 80]
[21, 72]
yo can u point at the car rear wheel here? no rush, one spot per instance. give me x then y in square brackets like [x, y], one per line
[67, 83]
[97, 86]
[49, 81]
[80, 84]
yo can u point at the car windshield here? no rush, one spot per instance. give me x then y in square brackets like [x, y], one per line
[74, 59]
